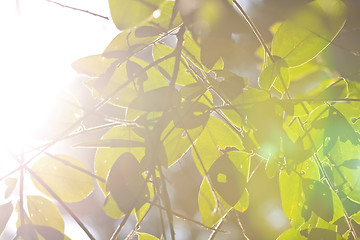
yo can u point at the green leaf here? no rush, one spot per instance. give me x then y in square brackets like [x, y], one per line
[177, 141]
[227, 180]
[44, 213]
[244, 202]
[193, 52]
[291, 196]
[106, 157]
[323, 234]
[146, 236]
[291, 190]
[311, 29]
[160, 51]
[356, 217]
[271, 72]
[193, 90]
[70, 184]
[215, 136]
[230, 85]
[93, 66]
[128, 13]
[318, 199]
[157, 100]
[209, 210]
[343, 130]
[111, 143]
[5, 213]
[128, 88]
[50, 233]
[352, 164]
[291, 234]
[126, 44]
[190, 115]
[126, 183]
[147, 31]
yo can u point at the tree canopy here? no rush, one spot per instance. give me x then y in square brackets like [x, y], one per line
[170, 93]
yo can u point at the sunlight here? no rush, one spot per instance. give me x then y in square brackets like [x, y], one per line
[31, 74]
[37, 48]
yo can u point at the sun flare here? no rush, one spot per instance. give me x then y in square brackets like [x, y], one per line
[32, 72]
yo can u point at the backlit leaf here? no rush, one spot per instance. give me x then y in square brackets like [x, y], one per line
[128, 13]
[70, 184]
[311, 29]
[209, 210]
[146, 236]
[44, 213]
[227, 180]
[318, 199]
[126, 184]
[216, 135]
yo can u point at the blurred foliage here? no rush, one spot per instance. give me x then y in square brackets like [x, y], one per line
[179, 106]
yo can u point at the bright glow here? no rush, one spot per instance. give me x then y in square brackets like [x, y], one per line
[37, 47]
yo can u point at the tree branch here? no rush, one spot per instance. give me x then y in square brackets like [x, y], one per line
[77, 9]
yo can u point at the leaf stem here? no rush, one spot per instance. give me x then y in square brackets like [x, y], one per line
[61, 202]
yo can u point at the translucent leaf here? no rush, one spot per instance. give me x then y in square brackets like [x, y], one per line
[93, 66]
[351, 163]
[227, 180]
[323, 234]
[5, 213]
[192, 51]
[146, 236]
[128, 89]
[126, 44]
[44, 213]
[291, 196]
[128, 13]
[343, 130]
[209, 210]
[160, 51]
[106, 157]
[192, 90]
[50, 233]
[311, 29]
[190, 115]
[147, 31]
[177, 141]
[356, 217]
[318, 199]
[291, 234]
[111, 208]
[216, 136]
[126, 183]
[271, 72]
[70, 184]
[230, 85]
[291, 190]
[243, 203]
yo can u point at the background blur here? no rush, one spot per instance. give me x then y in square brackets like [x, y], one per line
[39, 40]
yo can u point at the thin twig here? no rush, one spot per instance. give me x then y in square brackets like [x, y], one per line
[77, 9]
[61, 202]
